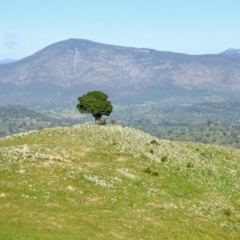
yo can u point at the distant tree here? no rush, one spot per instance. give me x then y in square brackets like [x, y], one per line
[95, 103]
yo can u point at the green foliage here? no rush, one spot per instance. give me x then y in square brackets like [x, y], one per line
[151, 151]
[164, 159]
[149, 171]
[227, 211]
[16, 119]
[155, 173]
[95, 103]
[102, 122]
[207, 119]
[190, 164]
[113, 121]
[154, 142]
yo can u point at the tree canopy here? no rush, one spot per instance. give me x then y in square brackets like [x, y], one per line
[95, 103]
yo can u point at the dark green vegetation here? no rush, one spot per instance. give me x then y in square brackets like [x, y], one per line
[66, 183]
[95, 103]
[15, 119]
[212, 133]
[215, 120]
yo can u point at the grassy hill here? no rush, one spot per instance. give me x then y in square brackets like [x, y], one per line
[113, 182]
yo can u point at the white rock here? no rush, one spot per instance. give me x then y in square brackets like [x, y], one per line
[70, 188]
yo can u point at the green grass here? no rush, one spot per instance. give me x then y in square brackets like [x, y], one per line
[89, 182]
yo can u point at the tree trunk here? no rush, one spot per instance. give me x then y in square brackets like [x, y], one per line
[97, 117]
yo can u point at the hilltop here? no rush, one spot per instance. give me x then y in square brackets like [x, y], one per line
[231, 52]
[114, 182]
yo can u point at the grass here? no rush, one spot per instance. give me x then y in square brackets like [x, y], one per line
[90, 182]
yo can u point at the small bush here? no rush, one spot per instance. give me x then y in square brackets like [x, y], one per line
[164, 159]
[227, 212]
[190, 165]
[102, 122]
[154, 142]
[151, 151]
[148, 170]
[113, 122]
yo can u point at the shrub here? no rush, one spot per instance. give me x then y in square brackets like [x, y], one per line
[151, 151]
[147, 170]
[155, 173]
[164, 159]
[190, 165]
[154, 142]
[102, 121]
[227, 212]
[113, 122]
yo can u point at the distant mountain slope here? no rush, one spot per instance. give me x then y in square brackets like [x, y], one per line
[15, 119]
[4, 61]
[113, 182]
[76, 66]
[233, 53]
[22, 112]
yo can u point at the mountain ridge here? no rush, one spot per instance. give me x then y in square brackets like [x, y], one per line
[231, 52]
[7, 60]
[121, 71]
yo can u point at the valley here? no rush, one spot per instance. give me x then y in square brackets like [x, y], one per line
[208, 120]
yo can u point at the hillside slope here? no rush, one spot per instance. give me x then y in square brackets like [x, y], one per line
[16, 119]
[5, 61]
[113, 182]
[231, 52]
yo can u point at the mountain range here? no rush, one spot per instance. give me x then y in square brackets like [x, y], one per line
[65, 69]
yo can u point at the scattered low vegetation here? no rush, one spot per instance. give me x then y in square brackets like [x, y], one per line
[74, 183]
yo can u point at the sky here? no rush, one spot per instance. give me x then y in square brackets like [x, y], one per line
[183, 26]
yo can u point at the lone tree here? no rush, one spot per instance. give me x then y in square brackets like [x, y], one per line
[95, 103]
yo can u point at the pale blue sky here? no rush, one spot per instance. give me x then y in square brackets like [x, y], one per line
[184, 26]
